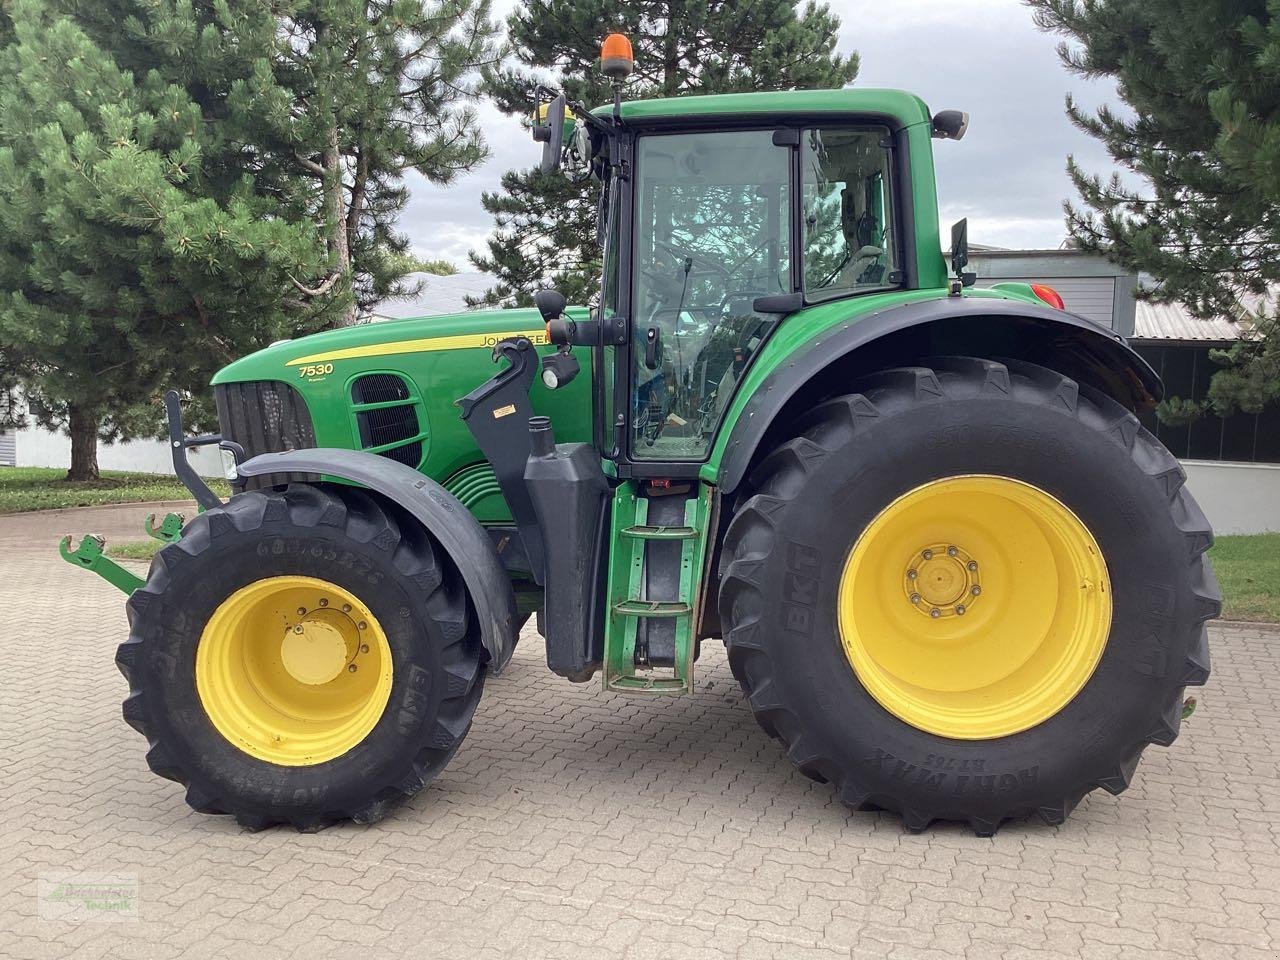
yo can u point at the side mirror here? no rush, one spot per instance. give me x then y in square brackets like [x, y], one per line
[960, 253]
[950, 124]
[550, 304]
[960, 246]
[548, 129]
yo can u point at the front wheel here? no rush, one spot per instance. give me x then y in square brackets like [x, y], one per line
[970, 591]
[301, 657]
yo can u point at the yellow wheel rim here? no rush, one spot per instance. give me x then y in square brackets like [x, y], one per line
[293, 670]
[974, 607]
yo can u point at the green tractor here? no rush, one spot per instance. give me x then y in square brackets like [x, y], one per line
[955, 577]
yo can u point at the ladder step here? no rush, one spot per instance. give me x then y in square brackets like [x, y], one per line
[660, 533]
[653, 608]
[635, 684]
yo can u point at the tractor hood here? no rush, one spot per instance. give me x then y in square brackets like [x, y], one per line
[292, 360]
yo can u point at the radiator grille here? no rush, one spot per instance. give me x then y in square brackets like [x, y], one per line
[264, 416]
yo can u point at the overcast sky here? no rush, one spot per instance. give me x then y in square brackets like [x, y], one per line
[984, 56]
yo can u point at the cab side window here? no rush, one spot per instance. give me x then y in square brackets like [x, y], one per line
[849, 242]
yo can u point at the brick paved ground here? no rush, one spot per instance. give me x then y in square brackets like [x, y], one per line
[575, 824]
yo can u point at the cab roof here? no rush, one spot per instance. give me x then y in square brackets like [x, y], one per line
[906, 108]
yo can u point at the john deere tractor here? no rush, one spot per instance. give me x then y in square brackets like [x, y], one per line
[955, 577]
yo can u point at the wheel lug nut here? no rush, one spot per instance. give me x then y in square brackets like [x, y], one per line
[298, 628]
[351, 669]
[928, 554]
[960, 610]
[302, 611]
[364, 648]
[323, 602]
[911, 574]
[915, 598]
[346, 608]
[362, 625]
[976, 590]
[973, 564]
[935, 613]
[952, 551]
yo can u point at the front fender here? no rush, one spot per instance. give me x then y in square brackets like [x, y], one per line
[457, 531]
[976, 326]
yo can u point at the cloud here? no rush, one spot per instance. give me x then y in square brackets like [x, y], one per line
[984, 56]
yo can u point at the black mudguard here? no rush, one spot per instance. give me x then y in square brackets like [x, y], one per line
[441, 514]
[1120, 372]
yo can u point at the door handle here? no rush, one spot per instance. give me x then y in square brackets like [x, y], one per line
[652, 347]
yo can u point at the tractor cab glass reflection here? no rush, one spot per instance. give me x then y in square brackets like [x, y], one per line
[713, 228]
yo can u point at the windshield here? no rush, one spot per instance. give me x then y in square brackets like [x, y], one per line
[712, 234]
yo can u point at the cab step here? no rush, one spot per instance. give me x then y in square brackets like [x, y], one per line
[652, 608]
[660, 533]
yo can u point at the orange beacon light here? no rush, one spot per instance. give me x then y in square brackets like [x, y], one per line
[616, 59]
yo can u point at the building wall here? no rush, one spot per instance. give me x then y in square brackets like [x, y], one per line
[36, 447]
[1091, 297]
[1236, 497]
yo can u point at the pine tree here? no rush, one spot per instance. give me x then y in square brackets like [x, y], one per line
[123, 268]
[171, 196]
[1203, 136]
[544, 232]
[380, 87]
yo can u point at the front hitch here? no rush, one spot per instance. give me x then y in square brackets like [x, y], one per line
[89, 556]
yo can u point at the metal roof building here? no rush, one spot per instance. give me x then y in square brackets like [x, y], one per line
[1172, 321]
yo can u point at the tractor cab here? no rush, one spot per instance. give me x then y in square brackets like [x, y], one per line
[719, 217]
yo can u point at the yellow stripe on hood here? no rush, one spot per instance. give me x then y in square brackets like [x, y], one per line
[460, 341]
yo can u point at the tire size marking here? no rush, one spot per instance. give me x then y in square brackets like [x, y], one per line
[414, 705]
[954, 764]
[1151, 655]
[998, 437]
[943, 781]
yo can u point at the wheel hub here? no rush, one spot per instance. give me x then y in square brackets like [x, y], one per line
[974, 607]
[941, 580]
[315, 650]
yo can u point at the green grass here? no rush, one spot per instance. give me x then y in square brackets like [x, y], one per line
[134, 549]
[43, 488]
[1248, 568]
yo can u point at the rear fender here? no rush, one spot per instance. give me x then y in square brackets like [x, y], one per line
[457, 531]
[979, 326]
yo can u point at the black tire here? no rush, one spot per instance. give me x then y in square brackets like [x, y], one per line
[347, 537]
[853, 455]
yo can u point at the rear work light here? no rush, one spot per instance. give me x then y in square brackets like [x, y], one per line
[1049, 296]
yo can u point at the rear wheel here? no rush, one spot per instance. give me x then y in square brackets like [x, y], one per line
[972, 591]
[301, 657]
